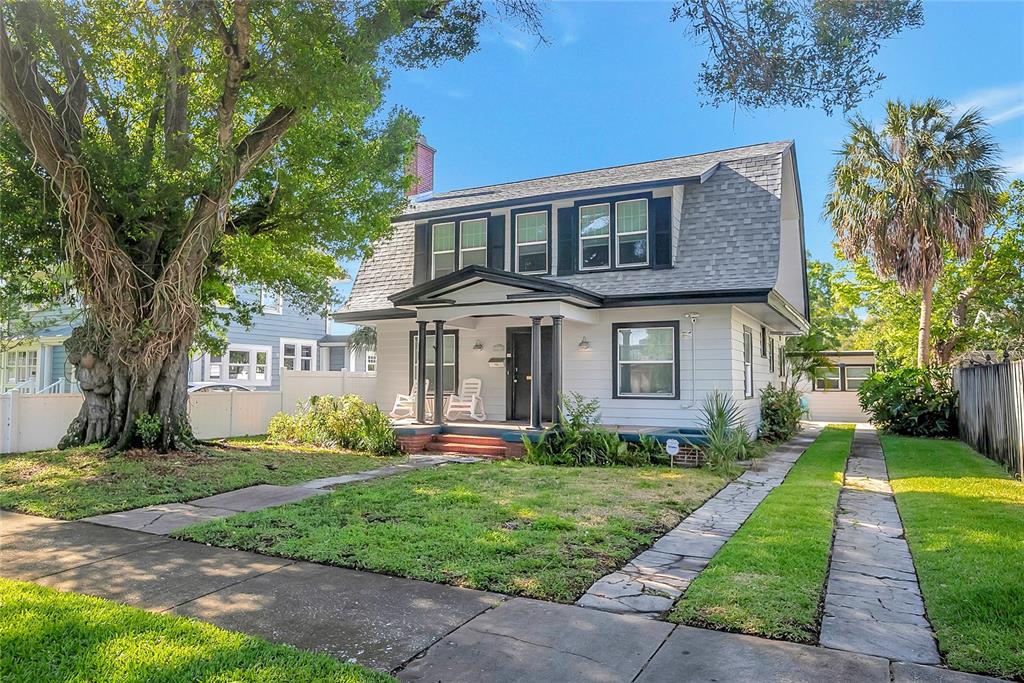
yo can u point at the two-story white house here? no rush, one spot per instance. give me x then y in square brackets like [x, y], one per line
[645, 286]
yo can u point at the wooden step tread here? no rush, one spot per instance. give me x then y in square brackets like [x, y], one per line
[470, 438]
[465, 448]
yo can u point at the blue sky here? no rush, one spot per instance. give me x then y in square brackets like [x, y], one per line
[616, 84]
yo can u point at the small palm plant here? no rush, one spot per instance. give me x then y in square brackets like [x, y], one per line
[726, 437]
[904, 192]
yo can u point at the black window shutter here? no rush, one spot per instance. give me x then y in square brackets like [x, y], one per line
[662, 237]
[567, 241]
[496, 242]
[421, 264]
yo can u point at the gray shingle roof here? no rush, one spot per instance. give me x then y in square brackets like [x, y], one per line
[729, 236]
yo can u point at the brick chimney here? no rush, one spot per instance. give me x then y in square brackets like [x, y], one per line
[422, 166]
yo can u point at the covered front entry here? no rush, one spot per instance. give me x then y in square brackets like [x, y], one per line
[518, 373]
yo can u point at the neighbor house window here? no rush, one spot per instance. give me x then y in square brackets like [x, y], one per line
[298, 354]
[241, 365]
[371, 361]
[442, 249]
[855, 376]
[272, 301]
[631, 232]
[595, 236]
[532, 242]
[19, 367]
[829, 380]
[646, 360]
[450, 369]
[748, 362]
[473, 242]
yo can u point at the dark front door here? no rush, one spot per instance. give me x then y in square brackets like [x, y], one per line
[518, 377]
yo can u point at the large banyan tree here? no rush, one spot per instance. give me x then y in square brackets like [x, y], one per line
[172, 147]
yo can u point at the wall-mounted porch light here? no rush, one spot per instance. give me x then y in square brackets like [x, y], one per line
[478, 346]
[584, 344]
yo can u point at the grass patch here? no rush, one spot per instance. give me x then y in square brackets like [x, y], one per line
[87, 481]
[46, 635]
[768, 579]
[540, 531]
[964, 521]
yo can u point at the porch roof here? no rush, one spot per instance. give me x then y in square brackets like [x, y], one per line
[520, 287]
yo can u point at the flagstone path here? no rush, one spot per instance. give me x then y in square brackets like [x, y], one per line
[873, 602]
[169, 517]
[651, 583]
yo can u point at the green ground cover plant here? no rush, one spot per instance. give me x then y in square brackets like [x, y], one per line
[964, 521]
[46, 635]
[541, 531]
[769, 578]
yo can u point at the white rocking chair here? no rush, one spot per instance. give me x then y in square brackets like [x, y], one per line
[405, 404]
[467, 401]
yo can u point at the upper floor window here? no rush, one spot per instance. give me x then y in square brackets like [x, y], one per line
[272, 301]
[595, 236]
[631, 232]
[442, 242]
[473, 242]
[532, 242]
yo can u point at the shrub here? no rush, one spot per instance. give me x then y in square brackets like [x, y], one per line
[580, 441]
[781, 411]
[727, 438]
[147, 428]
[911, 401]
[336, 422]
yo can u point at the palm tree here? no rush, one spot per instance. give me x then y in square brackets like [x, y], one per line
[363, 338]
[904, 192]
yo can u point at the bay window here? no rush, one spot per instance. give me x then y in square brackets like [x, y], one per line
[531, 233]
[631, 232]
[646, 360]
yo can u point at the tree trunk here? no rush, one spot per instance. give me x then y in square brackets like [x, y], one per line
[925, 326]
[117, 392]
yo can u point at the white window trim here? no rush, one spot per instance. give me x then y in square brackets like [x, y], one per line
[434, 252]
[463, 250]
[5, 359]
[223, 365]
[580, 238]
[300, 342]
[672, 362]
[547, 238]
[646, 232]
[272, 310]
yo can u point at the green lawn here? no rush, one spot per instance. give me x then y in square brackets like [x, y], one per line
[543, 532]
[964, 520]
[768, 579]
[46, 635]
[81, 482]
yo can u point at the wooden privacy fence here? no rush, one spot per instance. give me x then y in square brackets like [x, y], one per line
[992, 411]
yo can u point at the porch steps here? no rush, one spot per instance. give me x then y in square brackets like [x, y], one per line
[467, 444]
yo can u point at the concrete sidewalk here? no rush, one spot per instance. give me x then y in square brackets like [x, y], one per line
[422, 631]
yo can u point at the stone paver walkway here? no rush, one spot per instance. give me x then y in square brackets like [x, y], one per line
[873, 602]
[169, 517]
[651, 583]
[423, 631]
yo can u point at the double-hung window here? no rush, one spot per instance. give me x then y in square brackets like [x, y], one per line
[298, 354]
[19, 367]
[531, 242]
[595, 236]
[748, 362]
[241, 364]
[646, 360]
[631, 233]
[271, 301]
[473, 242]
[450, 364]
[442, 241]
[771, 355]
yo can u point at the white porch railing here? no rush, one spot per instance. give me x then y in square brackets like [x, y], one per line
[26, 387]
[61, 386]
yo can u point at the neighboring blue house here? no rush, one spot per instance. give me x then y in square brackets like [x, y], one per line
[281, 337]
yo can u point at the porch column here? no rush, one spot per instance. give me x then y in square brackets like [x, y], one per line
[438, 372]
[421, 371]
[535, 379]
[556, 368]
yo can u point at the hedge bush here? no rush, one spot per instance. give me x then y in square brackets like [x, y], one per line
[781, 411]
[911, 401]
[336, 422]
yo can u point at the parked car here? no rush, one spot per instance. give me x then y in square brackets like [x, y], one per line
[209, 387]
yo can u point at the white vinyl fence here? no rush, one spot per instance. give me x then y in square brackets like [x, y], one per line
[31, 422]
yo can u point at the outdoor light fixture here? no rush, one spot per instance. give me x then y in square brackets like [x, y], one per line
[498, 348]
[478, 346]
[584, 344]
